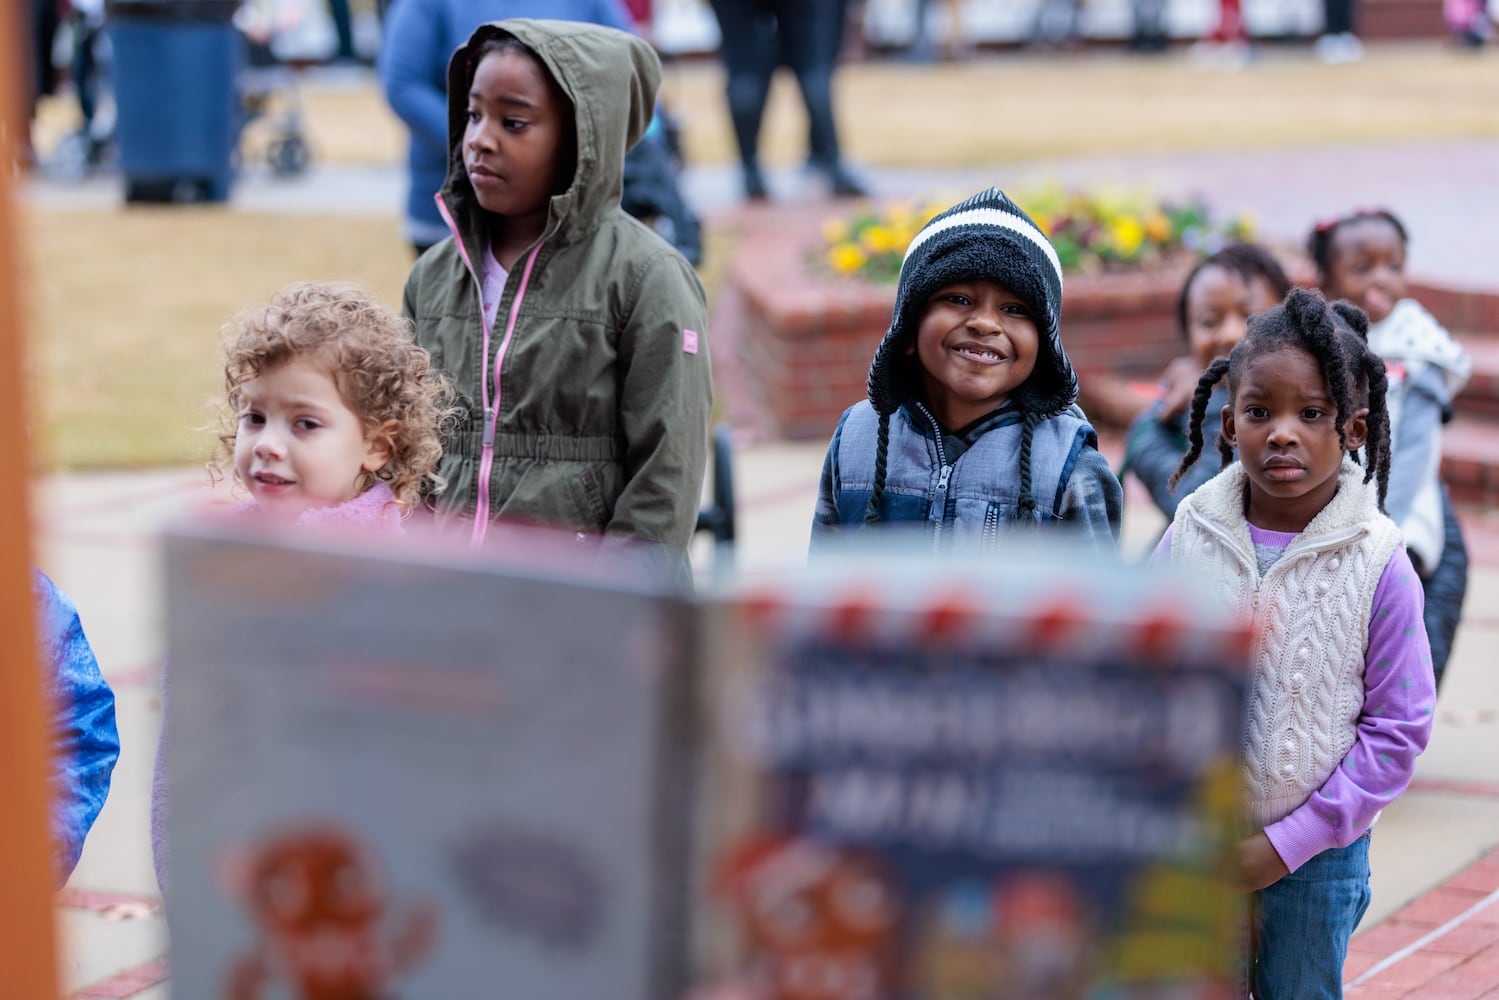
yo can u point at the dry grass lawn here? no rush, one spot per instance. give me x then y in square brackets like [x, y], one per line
[1026, 106]
[999, 107]
[127, 309]
[127, 304]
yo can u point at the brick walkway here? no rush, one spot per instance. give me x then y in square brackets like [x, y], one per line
[1442, 946]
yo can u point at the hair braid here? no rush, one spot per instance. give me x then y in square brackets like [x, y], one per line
[1317, 324]
[1378, 443]
[1027, 497]
[881, 454]
[1211, 376]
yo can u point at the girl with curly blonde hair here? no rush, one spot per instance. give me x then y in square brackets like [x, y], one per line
[334, 413]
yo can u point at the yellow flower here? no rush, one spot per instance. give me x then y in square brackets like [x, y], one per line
[1158, 228]
[1245, 225]
[1042, 221]
[877, 240]
[1128, 234]
[835, 230]
[846, 258]
[899, 215]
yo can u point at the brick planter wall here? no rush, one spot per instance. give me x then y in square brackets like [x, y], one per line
[1400, 19]
[792, 346]
[804, 340]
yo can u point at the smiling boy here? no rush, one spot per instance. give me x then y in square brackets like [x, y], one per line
[971, 424]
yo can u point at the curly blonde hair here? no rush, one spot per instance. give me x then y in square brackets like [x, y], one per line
[381, 373]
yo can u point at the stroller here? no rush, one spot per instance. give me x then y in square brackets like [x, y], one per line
[282, 38]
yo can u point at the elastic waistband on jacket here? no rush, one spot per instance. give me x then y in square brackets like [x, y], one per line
[538, 447]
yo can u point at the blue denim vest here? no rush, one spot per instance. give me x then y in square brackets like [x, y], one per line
[968, 501]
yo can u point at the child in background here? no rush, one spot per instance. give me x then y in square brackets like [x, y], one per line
[971, 424]
[83, 706]
[333, 418]
[1341, 694]
[1216, 302]
[334, 412]
[575, 334]
[416, 44]
[1361, 258]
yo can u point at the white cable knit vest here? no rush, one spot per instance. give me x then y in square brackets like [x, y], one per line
[1311, 616]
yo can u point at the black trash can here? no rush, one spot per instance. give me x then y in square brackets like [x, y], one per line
[176, 65]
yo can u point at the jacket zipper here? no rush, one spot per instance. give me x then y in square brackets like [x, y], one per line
[939, 504]
[491, 412]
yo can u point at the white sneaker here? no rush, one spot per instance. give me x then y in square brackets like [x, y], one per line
[1343, 47]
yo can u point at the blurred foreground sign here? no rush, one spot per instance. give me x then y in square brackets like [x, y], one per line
[407, 773]
[963, 782]
[398, 774]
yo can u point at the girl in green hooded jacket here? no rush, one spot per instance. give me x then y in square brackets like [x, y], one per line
[575, 334]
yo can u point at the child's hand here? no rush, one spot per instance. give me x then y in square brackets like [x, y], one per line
[1259, 865]
[1178, 383]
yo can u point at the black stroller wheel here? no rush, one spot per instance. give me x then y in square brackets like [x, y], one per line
[289, 155]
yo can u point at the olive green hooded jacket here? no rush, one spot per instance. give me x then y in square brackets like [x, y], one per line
[587, 404]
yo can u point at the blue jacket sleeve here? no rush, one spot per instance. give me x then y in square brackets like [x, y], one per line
[87, 743]
[1152, 451]
[1154, 448]
[826, 517]
[1093, 501]
[612, 14]
[414, 70]
[1417, 442]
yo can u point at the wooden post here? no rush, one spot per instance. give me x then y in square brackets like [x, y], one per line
[28, 958]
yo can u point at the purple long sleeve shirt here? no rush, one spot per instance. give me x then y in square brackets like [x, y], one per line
[1393, 726]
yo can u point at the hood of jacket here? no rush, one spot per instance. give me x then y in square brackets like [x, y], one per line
[610, 77]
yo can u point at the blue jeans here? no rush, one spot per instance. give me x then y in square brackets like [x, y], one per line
[1303, 922]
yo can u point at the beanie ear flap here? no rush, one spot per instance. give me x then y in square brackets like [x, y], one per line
[882, 394]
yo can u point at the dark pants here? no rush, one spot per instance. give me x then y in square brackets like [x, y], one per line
[1150, 25]
[44, 23]
[343, 25]
[1338, 15]
[1445, 590]
[759, 35]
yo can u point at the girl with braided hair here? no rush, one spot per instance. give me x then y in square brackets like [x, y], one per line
[972, 425]
[1361, 257]
[1294, 538]
[1217, 298]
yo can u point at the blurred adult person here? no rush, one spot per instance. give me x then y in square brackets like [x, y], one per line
[1056, 24]
[41, 19]
[1468, 21]
[1338, 43]
[1227, 45]
[343, 27]
[420, 37]
[758, 36]
[1150, 26]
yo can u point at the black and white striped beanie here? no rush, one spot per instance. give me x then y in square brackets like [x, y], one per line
[990, 237]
